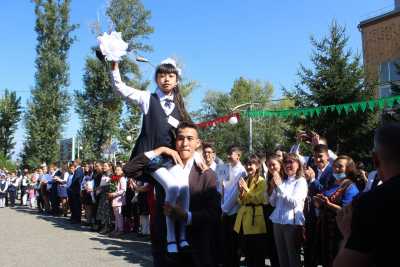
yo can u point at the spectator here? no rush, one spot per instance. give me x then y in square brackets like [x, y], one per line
[370, 225]
[329, 202]
[250, 222]
[288, 199]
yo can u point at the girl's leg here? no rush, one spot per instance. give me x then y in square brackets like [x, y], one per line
[119, 225]
[293, 245]
[171, 188]
[144, 222]
[115, 210]
[184, 202]
[279, 233]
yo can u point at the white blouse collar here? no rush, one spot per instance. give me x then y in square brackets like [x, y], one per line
[162, 96]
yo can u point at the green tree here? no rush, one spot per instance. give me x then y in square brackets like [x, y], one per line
[336, 76]
[10, 114]
[267, 133]
[7, 164]
[48, 108]
[98, 106]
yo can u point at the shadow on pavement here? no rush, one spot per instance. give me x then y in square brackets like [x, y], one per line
[133, 249]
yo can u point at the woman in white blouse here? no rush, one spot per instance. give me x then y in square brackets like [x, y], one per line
[288, 199]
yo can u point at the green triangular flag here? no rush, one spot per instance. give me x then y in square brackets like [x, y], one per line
[363, 106]
[390, 102]
[339, 108]
[397, 99]
[371, 105]
[318, 111]
[355, 106]
[346, 108]
[332, 107]
[381, 103]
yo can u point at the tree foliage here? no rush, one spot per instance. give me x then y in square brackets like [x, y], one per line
[48, 108]
[99, 107]
[10, 114]
[267, 133]
[336, 76]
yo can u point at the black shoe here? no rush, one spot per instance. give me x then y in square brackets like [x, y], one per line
[172, 259]
[105, 230]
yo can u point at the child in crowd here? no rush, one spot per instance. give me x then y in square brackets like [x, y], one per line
[117, 197]
[162, 110]
[87, 194]
[3, 190]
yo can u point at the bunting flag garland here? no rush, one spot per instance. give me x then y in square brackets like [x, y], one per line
[218, 120]
[381, 103]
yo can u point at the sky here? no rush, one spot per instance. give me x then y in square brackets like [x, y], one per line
[217, 41]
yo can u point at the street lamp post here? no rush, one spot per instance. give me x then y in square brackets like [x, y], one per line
[250, 122]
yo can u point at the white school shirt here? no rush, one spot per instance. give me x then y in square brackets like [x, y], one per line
[288, 200]
[69, 180]
[230, 204]
[139, 97]
[64, 180]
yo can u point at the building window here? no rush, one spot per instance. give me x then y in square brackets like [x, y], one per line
[389, 71]
[385, 90]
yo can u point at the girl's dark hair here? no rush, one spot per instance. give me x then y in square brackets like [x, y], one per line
[254, 159]
[178, 99]
[352, 172]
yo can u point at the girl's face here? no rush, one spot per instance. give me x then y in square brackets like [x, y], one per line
[273, 166]
[86, 168]
[167, 82]
[290, 166]
[251, 168]
[118, 171]
[106, 167]
[234, 157]
[340, 166]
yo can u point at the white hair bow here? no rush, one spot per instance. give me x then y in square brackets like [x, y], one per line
[173, 63]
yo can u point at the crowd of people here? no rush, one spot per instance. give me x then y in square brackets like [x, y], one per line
[274, 206]
[293, 209]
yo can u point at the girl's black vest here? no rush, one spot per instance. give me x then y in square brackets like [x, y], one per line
[156, 131]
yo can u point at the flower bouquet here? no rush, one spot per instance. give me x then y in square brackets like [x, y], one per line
[113, 185]
[112, 47]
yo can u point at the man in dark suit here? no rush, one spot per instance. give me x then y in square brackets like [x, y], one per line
[204, 212]
[319, 178]
[74, 193]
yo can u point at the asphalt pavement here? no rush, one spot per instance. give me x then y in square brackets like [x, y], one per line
[28, 238]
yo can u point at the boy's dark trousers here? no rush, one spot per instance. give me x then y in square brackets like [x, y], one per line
[54, 199]
[12, 191]
[230, 242]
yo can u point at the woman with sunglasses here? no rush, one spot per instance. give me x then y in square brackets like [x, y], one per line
[288, 199]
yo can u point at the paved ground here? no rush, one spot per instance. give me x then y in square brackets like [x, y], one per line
[30, 239]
